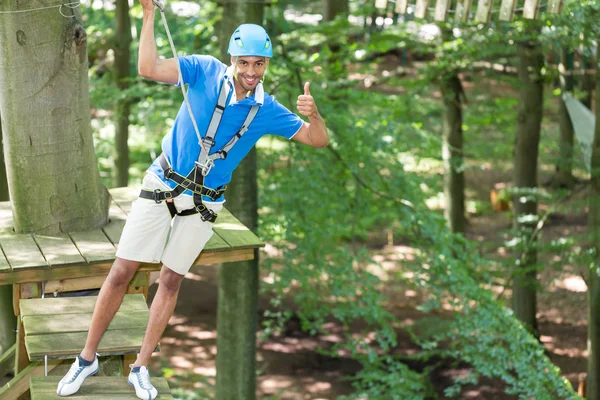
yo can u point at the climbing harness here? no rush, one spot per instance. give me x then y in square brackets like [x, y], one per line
[194, 181]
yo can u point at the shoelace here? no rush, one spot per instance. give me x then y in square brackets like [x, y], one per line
[145, 379]
[73, 372]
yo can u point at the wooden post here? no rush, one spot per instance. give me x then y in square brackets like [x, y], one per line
[21, 358]
[484, 11]
[401, 6]
[554, 6]
[530, 11]
[507, 10]
[381, 4]
[463, 10]
[441, 10]
[421, 8]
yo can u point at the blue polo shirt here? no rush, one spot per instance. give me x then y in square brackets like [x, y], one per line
[204, 76]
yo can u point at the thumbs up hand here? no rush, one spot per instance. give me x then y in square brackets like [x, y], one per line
[306, 104]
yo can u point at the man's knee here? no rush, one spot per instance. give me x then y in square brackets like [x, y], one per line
[170, 279]
[122, 272]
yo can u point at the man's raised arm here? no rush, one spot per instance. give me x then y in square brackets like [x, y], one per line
[151, 66]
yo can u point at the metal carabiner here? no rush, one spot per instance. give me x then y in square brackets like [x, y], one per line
[205, 168]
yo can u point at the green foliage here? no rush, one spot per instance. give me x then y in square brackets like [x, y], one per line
[361, 172]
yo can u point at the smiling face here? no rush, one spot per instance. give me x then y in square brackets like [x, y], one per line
[249, 70]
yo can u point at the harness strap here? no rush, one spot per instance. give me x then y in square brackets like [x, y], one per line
[183, 183]
[209, 139]
[222, 154]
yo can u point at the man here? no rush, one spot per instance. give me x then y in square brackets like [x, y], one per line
[183, 194]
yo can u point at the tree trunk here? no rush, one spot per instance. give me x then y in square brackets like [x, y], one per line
[525, 177]
[8, 321]
[588, 82]
[237, 316]
[564, 166]
[452, 148]
[3, 182]
[333, 8]
[122, 68]
[50, 160]
[593, 281]
[452, 153]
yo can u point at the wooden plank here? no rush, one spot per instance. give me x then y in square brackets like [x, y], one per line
[45, 274]
[531, 9]
[95, 388]
[4, 265]
[441, 10]
[130, 396]
[76, 305]
[75, 284]
[463, 10]
[114, 228]
[86, 270]
[216, 243]
[65, 323]
[93, 245]
[116, 212]
[554, 6]
[17, 386]
[124, 197]
[21, 251]
[381, 4]
[66, 345]
[58, 250]
[128, 359]
[225, 257]
[484, 11]
[507, 10]
[31, 290]
[16, 297]
[401, 6]
[421, 8]
[21, 359]
[234, 232]
[7, 360]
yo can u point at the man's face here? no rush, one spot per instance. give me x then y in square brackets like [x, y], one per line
[250, 70]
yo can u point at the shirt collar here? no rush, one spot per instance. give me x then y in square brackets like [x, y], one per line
[259, 92]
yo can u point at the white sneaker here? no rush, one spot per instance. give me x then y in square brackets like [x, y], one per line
[141, 382]
[72, 381]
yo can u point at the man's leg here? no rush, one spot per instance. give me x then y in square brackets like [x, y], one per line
[160, 312]
[108, 303]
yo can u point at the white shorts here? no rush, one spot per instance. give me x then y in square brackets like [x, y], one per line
[150, 235]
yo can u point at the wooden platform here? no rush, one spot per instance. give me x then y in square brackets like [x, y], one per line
[36, 258]
[95, 388]
[58, 327]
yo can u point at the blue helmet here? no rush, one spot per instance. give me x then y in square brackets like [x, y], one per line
[250, 40]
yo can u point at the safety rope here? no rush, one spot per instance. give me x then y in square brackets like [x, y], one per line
[204, 161]
[73, 4]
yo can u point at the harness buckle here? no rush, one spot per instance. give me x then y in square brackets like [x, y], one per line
[155, 196]
[205, 168]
